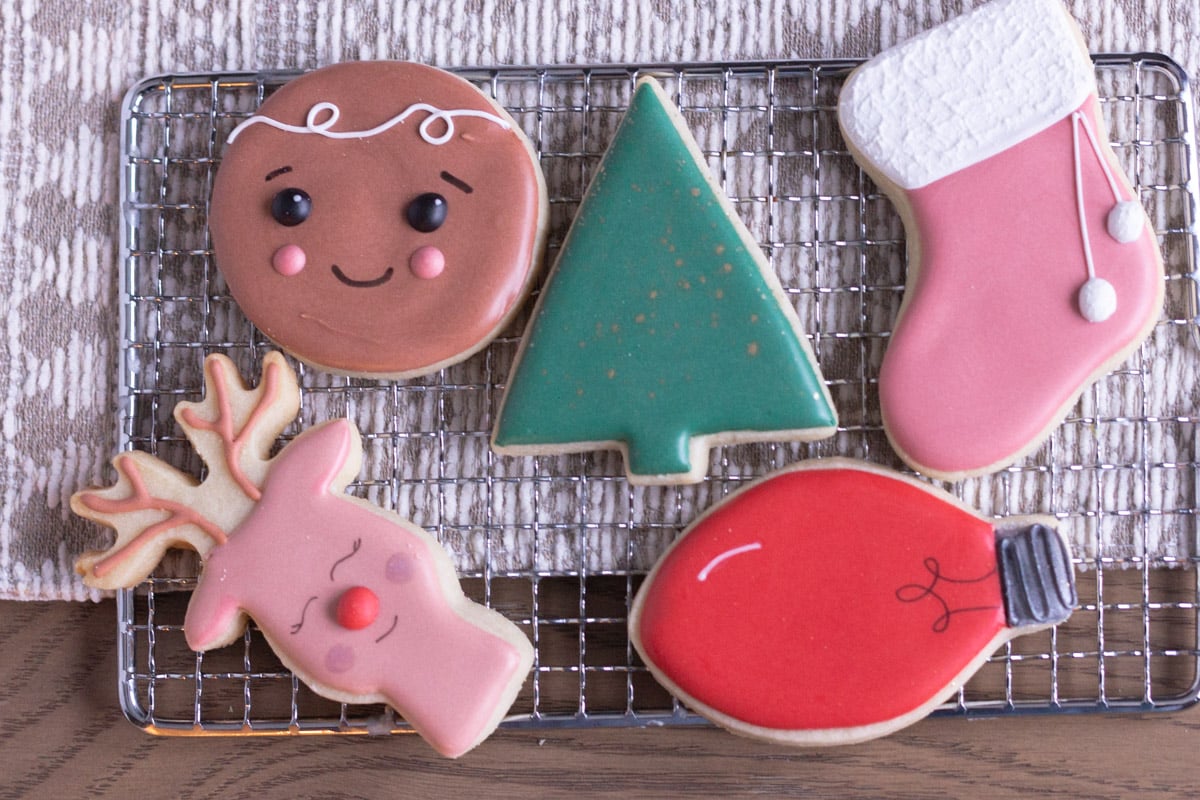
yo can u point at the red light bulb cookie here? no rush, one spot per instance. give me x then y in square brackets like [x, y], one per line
[835, 602]
[381, 219]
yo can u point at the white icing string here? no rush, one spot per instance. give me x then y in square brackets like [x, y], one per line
[332, 112]
[1097, 297]
[728, 554]
[1125, 219]
[1082, 119]
[1076, 119]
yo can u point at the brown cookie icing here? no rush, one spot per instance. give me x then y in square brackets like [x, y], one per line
[391, 253]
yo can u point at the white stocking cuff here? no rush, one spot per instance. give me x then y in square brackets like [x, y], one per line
[967, 90]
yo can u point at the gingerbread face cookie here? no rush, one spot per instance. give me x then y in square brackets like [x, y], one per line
[382, 219]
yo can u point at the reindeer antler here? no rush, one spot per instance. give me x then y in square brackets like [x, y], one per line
[154, 507]
[233, 427]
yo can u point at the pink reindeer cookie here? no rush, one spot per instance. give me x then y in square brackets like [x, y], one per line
[361, 604]
[380, 219]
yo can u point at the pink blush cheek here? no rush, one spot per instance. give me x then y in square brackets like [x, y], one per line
[427, 262]
[289, 260]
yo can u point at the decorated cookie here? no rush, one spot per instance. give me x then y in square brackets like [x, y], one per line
[1032, 266]
[380, 219]
[835, 602]
[662, 330]
[362, 605]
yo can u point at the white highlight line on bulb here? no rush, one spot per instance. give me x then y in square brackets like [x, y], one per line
[728, 554]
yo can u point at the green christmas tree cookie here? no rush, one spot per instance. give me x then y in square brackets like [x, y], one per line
[661, 330]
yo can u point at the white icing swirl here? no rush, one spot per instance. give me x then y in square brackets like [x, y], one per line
[324, 127]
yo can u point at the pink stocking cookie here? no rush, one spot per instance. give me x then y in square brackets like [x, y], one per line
[381, 219]
[362, 605]
[834, 602]
[1032, 267]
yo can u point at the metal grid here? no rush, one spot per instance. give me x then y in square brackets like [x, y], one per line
[560, 544]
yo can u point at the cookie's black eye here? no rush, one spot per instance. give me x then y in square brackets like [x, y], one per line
[427, 212]
[291, 207]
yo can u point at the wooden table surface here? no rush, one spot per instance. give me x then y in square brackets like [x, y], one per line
[62, 735]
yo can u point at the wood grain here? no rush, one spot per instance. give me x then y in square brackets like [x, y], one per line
[62, 735]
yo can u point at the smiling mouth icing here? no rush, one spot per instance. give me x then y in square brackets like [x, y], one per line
[367, 284]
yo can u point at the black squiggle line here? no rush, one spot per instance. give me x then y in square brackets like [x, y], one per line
[296, 628]
[357, 544]
[905, 594]
[388, 632]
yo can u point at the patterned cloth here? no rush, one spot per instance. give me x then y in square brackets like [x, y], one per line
[64, 66]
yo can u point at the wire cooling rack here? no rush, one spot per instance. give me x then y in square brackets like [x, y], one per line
[561, 544]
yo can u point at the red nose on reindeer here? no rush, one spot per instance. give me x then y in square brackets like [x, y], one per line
[357, 608]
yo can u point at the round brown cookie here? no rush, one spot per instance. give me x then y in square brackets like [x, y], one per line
[381, 219]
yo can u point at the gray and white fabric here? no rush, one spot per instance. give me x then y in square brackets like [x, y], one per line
[64, 66]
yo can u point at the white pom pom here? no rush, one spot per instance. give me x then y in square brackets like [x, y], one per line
[1097, 300]
[1125, 221]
